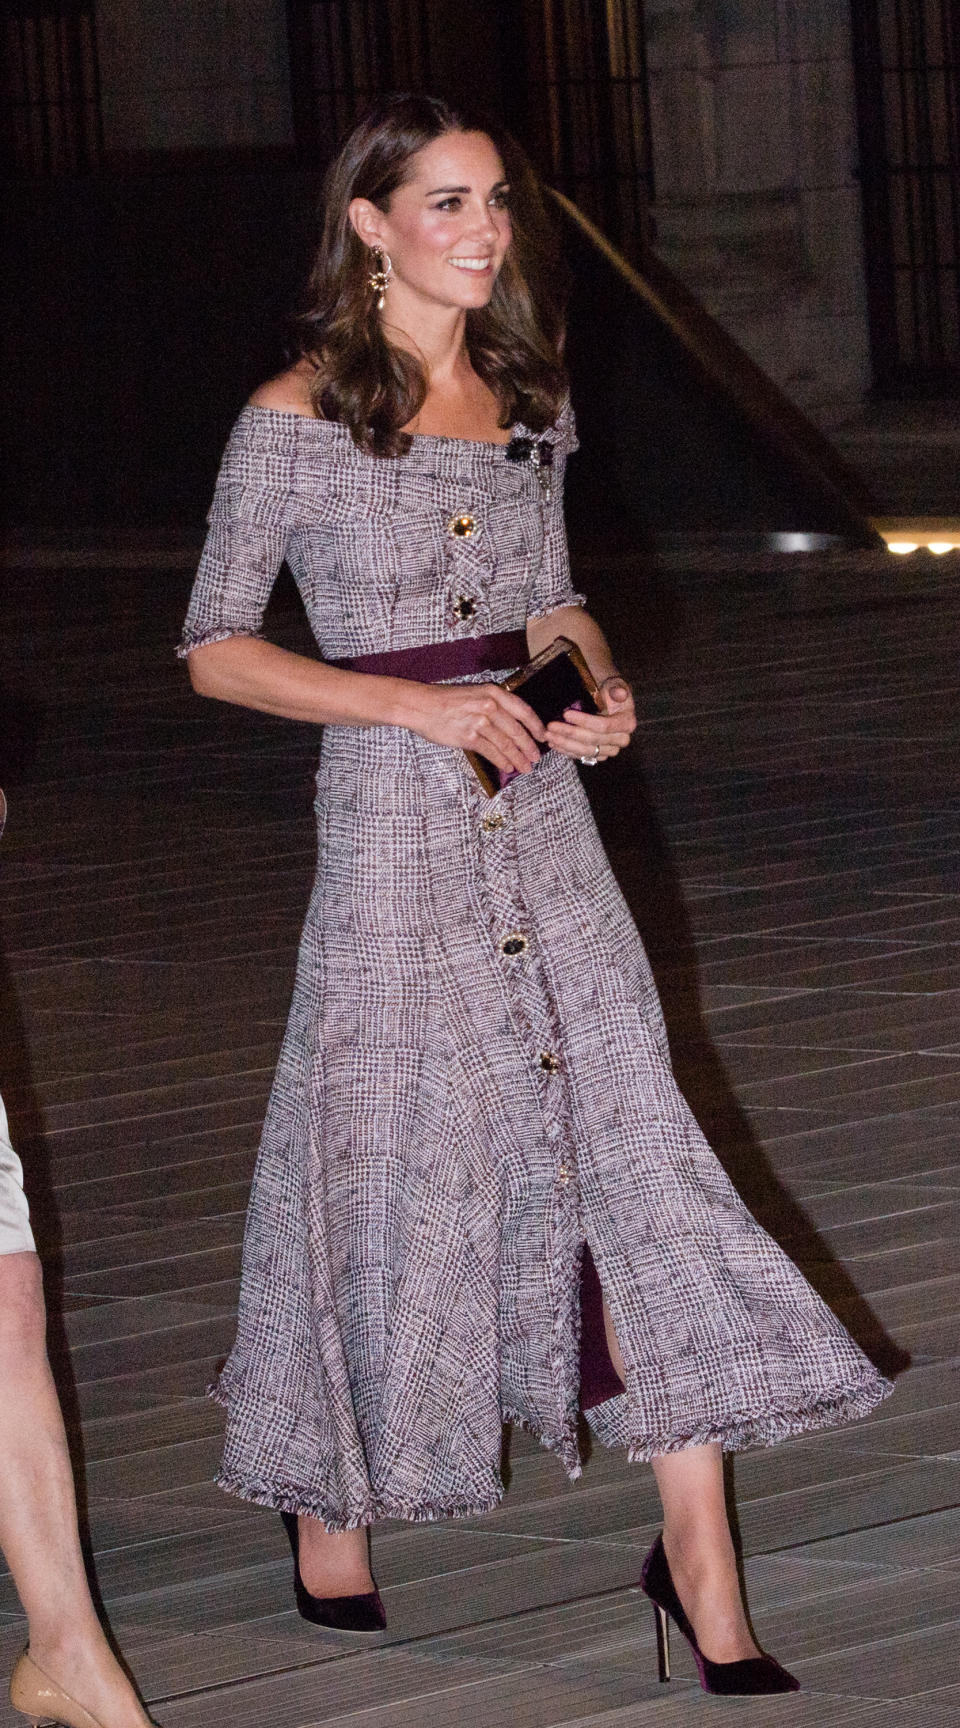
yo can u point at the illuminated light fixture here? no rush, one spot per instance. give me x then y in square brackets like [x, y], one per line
[919, 533]
[803, 542]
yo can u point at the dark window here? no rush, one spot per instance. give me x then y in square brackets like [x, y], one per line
[344, 53]
[51, 89]
[908, 94]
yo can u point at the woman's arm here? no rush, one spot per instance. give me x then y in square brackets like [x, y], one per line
[260, 675]
[594, 736]
[574, 622]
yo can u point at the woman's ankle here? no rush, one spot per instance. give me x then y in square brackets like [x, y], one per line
[689, 1551]
[334, 1562]
[62, 1643]
[707, 1581]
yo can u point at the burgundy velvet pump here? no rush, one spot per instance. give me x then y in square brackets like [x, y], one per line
[364, 1613]
[727, 1679]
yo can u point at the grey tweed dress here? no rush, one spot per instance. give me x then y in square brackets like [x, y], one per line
[456, 1112]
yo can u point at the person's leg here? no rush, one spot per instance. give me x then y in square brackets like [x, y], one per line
[38, 1511]
[697, 1540]
[699, 1550]
[333, 1562]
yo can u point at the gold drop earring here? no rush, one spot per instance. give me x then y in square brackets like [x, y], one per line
[380, 274]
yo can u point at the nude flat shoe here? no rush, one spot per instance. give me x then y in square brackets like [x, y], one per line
[34, 1694]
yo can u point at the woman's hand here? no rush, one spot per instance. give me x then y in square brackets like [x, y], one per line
[479, 717]
[596, 737]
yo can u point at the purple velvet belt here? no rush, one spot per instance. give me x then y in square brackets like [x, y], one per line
[436, 661]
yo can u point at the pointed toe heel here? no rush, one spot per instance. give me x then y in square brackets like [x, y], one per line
[364, 1614]
[40, 1699]
[751, 1676]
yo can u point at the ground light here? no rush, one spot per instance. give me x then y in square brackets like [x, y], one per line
[905, 534]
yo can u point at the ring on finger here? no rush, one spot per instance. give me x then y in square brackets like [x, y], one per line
[591, 761]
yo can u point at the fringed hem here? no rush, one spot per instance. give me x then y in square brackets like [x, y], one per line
[299, 1500]
[279, 1498]
[558, 606]
[563, 1445]
[734, 1433]
[203, 639]
[767, 1428]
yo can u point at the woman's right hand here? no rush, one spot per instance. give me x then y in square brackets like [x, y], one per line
[479, 717]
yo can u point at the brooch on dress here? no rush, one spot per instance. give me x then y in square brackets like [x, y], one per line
[539, 453]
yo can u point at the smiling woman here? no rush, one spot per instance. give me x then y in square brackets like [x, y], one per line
[452, 204]
[480, 1196]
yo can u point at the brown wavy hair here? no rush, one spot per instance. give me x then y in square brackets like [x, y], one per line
[515, 342]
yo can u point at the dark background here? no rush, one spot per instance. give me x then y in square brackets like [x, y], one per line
[145, 292]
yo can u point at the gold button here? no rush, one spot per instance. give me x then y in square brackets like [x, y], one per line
[462, 527]
[464, 608]
[514, 943]
[548, 1062]
[563, 1174]
[491, 823]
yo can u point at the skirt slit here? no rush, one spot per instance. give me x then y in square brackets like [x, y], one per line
[599, 1379]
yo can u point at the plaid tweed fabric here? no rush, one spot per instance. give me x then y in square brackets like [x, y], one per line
[454, 1112]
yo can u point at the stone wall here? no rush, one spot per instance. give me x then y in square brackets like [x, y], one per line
[758, 207]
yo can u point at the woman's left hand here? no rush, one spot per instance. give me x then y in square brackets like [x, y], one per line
[596, 737]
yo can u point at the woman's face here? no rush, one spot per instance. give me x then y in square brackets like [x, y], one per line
[448, 226]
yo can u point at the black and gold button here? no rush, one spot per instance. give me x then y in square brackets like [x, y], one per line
[514, 943]
[462, 527]
[464, 608]
[495, 820]
[549, 1062]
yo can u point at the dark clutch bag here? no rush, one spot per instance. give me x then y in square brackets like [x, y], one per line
[555, 679]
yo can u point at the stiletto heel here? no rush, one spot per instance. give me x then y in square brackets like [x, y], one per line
[364, 1613]
[663, 1641]
[754, 1674]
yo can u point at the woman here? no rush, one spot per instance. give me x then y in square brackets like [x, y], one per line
[68, 1670]
[474, 1083]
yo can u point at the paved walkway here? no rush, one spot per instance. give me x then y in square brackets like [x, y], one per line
[787, 830]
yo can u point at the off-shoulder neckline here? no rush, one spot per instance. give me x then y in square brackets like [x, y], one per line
[516, 431]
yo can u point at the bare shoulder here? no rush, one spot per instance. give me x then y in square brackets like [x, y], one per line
[289, 391]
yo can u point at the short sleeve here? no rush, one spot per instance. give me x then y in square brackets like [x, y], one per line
[552, 585]
[250, 525]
